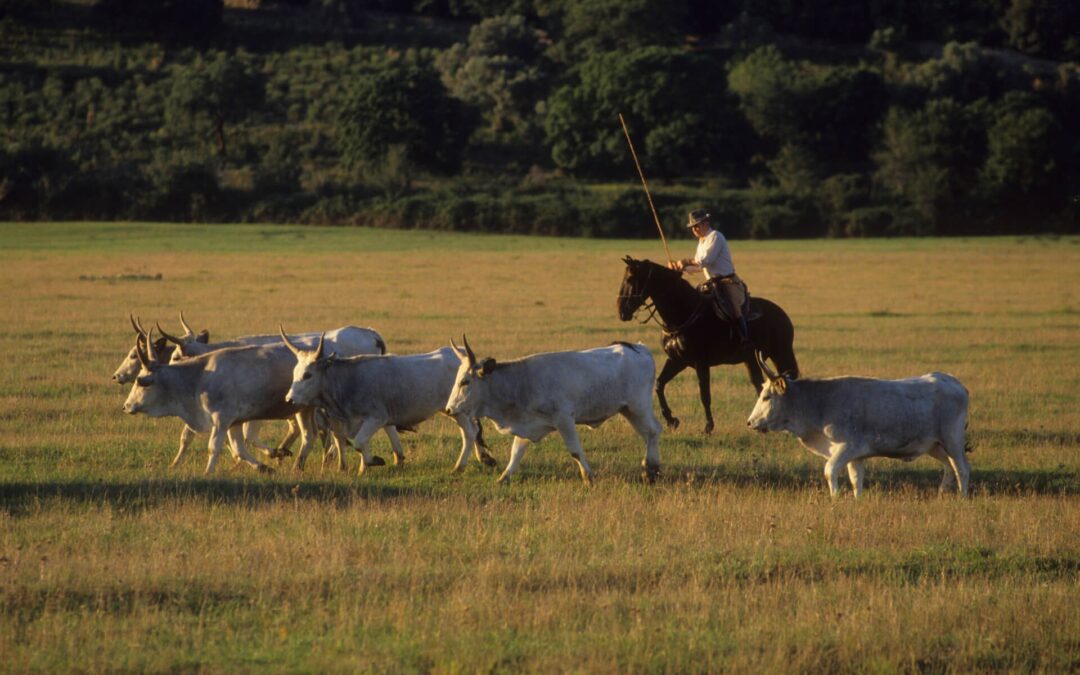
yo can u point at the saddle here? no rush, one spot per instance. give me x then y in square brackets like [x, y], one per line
[721, 305]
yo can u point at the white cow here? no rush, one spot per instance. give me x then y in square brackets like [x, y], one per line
[535, 395]
[365, 393]
[848, 419]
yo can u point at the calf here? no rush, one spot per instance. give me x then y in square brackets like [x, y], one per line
[538, 394]
[847, 419]
[365, 393]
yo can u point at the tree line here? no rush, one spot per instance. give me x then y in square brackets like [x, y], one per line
[786, 118]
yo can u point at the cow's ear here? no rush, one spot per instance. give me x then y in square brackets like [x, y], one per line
[203, 337]
[486, 367]
[159, 348]
[145, 380]
[780, 385]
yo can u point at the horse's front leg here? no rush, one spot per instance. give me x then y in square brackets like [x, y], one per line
[706, 395]
[671, 368]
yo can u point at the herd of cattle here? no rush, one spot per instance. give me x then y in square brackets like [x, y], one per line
[344, 386]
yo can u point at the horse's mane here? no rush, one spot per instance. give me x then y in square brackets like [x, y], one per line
[662, 270]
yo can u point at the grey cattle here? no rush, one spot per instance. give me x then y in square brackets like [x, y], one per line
[218, 392]
[848, 419]
[538, 394]
[345, 341]
[365, 393]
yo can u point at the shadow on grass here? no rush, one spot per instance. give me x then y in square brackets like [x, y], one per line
[20, 498]
[990, 482]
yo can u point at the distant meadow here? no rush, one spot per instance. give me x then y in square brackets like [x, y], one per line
[735, 560]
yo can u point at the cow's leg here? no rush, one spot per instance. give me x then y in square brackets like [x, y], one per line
[958, 457]
[282, 450]
[305, 420]
[185, 441]
[481, 448]
[706, 395]
[645, 423]
[361, 442]
[236, 440]
[467, 426]
[855, 475]
[948, 476]
[395, 444]
[517, 451]
[840, 455]
[217, 439]
[568, 431]
[672, 367]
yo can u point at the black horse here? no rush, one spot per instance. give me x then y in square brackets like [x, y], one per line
[694, 336]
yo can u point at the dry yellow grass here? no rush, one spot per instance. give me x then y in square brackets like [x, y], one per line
[736, 560]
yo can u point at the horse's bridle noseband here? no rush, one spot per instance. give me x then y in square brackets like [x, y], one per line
[642, 295]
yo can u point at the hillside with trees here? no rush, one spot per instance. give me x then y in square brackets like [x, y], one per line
[787, 118]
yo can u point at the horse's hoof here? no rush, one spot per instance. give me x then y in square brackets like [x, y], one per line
[708, 428]
[672, 423]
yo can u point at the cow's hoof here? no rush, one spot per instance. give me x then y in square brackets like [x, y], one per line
[262, 468]
[376, 461]
[488, 460]
[650, 473]
[399, 461]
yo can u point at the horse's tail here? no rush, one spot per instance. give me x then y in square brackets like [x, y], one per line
[783, 343]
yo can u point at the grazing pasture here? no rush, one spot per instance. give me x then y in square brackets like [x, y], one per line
[736, 559]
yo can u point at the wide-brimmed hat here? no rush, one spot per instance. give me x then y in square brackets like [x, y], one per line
[696, 217]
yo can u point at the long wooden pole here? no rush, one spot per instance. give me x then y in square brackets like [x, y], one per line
[646, 186]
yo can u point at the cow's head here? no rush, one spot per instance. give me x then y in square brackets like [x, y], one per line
[145, 396]
[771, 411]
[308, 373]
[187, 345]
[469, 385]
[160, 349]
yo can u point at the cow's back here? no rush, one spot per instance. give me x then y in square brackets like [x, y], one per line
[249, 382]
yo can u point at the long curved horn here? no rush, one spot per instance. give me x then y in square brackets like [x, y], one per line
[293, 348]
[171, 338]
[187, 328]
[469, 351]
[136, 325]
[765, 366]
[319, 349]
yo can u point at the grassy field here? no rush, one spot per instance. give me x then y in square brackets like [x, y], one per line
[736, 560]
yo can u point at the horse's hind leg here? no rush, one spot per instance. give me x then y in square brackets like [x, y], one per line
[667, 373]
[706, 396]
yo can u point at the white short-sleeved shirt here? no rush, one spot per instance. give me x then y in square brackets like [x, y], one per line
[714, 256]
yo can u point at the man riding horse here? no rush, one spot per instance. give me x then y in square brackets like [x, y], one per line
[713, 258]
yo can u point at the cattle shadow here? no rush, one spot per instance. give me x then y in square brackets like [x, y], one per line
[984, 482]
[18, 499]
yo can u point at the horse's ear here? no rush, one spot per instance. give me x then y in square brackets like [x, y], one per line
[627, 259]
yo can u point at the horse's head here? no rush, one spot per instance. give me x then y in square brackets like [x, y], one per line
[635, 286]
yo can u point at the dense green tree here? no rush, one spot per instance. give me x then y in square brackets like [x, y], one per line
[591, 26]
[831, 111]
[674, 102]
[1049, 28]
[931, 158]
[222, 90]
[402, 104]
[499, 71]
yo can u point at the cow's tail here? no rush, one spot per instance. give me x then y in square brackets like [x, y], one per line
[381, 345]
[968, 447]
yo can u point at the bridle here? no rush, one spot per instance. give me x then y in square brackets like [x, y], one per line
[646, 303]
[649, 305]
